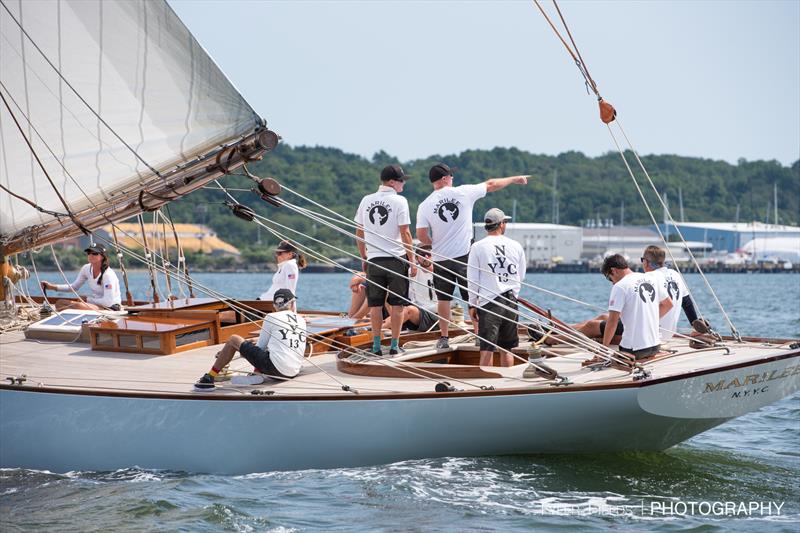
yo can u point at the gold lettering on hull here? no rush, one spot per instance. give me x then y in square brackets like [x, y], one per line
[751, 379]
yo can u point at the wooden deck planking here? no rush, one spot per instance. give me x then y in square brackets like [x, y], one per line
[56, 364]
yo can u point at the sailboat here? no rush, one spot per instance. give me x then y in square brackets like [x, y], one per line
[149, 118]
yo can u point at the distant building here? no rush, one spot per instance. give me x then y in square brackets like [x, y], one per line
[543, 243]
[193, 238]
[730, 236]
[630, 241]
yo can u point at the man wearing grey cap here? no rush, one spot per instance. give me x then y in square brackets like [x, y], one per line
[495, 272]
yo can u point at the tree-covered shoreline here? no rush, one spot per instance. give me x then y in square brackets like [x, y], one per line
[588, 188]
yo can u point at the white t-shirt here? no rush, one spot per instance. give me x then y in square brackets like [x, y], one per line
[283, 335]
[447, 212]
[105, 294]
[381, 214]
[676, 289]
[636, 298]
[421, 292]
[496, 265]
[285, 278]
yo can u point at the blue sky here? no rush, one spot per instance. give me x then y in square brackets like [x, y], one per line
[714, 79]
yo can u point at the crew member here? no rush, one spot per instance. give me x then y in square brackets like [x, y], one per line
[290, 262]
[496, 269]
[420, 313]
[639, 301]
[103, 283]
[280, 348]
[384, 238]
[444, 220]
[653, 261]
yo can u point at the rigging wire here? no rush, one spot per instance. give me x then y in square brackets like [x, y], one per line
[581, 340]
[584, 70]
[734, 332]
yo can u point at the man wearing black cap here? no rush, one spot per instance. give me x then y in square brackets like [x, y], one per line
[384, 237]
[280, 348]
[444, 220]
[496, 270]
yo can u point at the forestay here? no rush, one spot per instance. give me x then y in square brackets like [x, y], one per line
[112, 95]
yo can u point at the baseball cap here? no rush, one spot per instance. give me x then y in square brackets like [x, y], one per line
[282, 297]
[393, 172]
[97, 248]
[494, 217]
[285, 246]
[438, 171]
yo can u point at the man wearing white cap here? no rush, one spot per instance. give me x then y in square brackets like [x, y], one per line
[495, 272]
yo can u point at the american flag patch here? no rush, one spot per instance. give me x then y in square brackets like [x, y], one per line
[291, 276]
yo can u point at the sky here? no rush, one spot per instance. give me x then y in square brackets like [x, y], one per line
[712, 79]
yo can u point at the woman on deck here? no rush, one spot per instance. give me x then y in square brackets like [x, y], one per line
[104, 284]
[290, 262]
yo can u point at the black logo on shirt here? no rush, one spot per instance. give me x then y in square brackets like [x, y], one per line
[378, 214]
[673, 290]
[448, 211]
[647, 291]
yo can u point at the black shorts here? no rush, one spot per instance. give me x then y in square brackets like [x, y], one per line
[500, 330]
[618, 332]
[387, 275]
[260, 359]
[449, 273]
[643, 353]
[426, 321]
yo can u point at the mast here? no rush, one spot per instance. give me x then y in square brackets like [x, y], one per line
[680, 203]
[775, 202]
[554, 215]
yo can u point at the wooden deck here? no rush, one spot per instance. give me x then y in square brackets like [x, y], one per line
[75, 366]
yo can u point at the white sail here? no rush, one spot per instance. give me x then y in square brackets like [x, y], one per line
[67, 67]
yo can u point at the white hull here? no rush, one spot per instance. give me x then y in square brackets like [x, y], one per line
[85, 431]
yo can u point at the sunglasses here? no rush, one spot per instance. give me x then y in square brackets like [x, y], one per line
[92, 253]
[642, 260]
[608, 277]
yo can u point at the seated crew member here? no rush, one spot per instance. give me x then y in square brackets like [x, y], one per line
[420, 314]
[290, 262]
[495, 272]
[104, 284]
[358, 298]
[674, 286]
[279, 350]
[639, 301]
[653, 261]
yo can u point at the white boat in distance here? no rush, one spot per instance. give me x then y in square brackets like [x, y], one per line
[161, 120]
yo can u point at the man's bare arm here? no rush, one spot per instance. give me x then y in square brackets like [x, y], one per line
[496, 184]
[664, 306]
